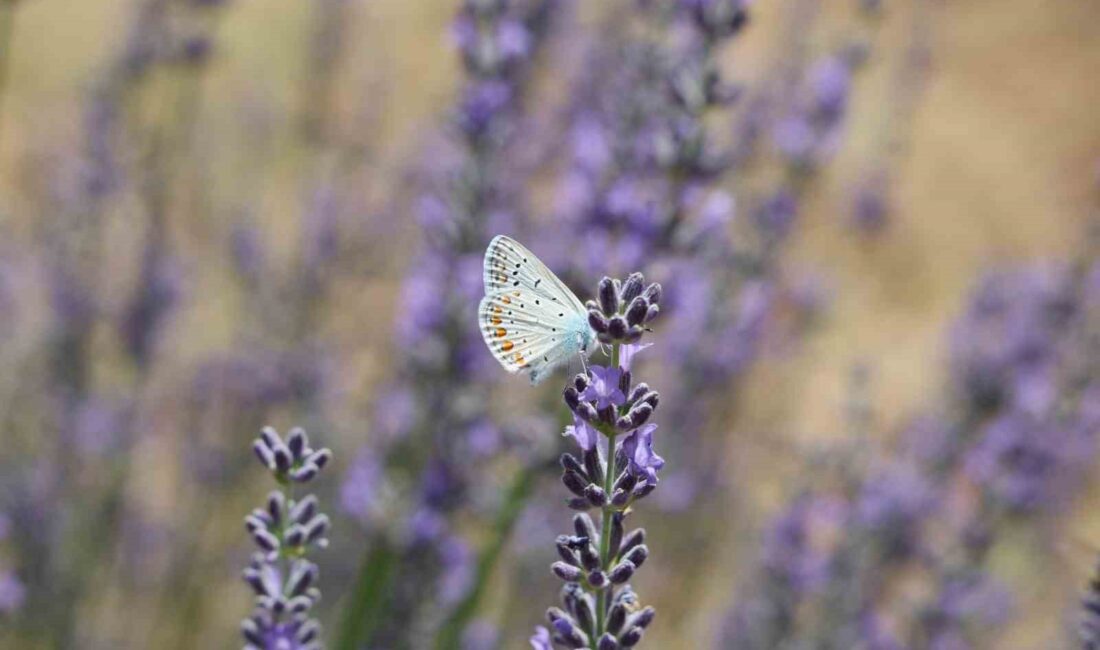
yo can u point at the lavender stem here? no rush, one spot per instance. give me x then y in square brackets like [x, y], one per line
[605, 521]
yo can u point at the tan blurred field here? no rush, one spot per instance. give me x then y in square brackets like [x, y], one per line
[1000, 163]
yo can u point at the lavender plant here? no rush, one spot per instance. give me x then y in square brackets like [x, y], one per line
[285, 531]
[600, 609]
[1021, 438]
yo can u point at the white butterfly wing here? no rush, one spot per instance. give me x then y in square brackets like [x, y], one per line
[510, 266]
[529, 319]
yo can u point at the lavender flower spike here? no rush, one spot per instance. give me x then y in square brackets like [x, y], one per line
[600, 609]
[285, 531]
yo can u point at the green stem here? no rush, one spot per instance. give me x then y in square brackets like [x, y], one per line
[518, 495]
[363, 613]
[605, 523]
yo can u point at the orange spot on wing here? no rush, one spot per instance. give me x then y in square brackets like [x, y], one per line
[496, 320]
[507, 346]
[501, 277]
[519, 359]
[500, 332]
[497, 309]
[506, 300]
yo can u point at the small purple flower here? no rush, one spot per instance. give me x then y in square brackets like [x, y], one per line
[627, 352]
[604, 389]
[582, 432]
[541, 639]
[638, 448]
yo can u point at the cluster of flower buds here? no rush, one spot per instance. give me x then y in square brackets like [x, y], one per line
[580, 560]
[626, 622]
[623, 309]
[584, 477]
[287, 527]
[293, 460]
[285, 530]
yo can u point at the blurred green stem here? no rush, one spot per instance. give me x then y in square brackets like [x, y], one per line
[361, 614]
[518, 494]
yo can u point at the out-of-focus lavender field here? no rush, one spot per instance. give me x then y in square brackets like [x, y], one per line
[876, 341]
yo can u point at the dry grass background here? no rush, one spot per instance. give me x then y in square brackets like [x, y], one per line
[999, 166]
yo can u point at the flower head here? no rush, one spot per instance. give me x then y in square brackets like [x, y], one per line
[582, 432]
[604, 389]
[638, 449]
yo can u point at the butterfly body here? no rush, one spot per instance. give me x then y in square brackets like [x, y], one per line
[529, 319]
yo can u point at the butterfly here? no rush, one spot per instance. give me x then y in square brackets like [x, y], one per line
[529, 319]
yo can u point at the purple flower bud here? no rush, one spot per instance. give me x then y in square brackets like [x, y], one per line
[616, 618]
[584, 526]
[616, 327]
[652, 293]
[597, 579]
[570, 463]
[304, 510]
[566, 572]
[265, 540]
[590, 557]
[305, 473]
[270, 437]
[309, 631]
[565, 552]
[595, 495]
[637, 555]
[251, 633]
[636, 312]
[637, 392]
[643, 618]
[592, 465]
[639, 415]
[263, 453]
[297, 442]
[295, 536]
[571, 397]
[619, 498]
[622, 572]
[298, 604]
[597, 322]
[569, 632]
[631, 637]
[317, 528]
[615, 543]
[607, 642]
[302, 576]
[633, 287]
[584, 610]
[276, 504]
[652, 313]
[282, 456]
[320, 458]
[575, 483]
[609, 299]
[581, 382]
[626, 481]
[633, 539]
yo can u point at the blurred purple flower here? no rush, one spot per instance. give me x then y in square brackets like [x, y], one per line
[12, 593]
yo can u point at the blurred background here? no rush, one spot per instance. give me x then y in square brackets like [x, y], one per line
[876, 228]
